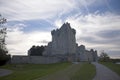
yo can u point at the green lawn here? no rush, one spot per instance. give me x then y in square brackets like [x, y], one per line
[86, 72]
[32, 71]
[112, 66]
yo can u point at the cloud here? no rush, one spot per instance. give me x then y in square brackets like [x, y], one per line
[109, 34]
[30, 10]
[94, 23]
[39, 9]
[98, 31]
[18, 42]
[114, 54]
[44, 41]
[58, 23]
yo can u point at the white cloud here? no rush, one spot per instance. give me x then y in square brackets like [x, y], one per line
[88, 26]
[18, 42]
[92, 23]
[39, 9]
[58, 23]
[95, 22]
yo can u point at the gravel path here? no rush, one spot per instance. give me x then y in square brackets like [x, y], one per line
[104, 73]
[4, 72]
[63, 74]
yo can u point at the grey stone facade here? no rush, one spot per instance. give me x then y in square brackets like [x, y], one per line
[85, 55]
[34, 59]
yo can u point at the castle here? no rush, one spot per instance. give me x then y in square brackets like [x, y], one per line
[64, 44]
[63, 47]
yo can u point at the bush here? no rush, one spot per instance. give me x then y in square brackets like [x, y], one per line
[36, 50]
[4, 57]
[104, 57]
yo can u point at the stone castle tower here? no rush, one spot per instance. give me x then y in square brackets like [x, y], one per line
[63, 41]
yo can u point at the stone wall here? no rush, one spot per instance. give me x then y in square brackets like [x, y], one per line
[85, 55]
[34, 59]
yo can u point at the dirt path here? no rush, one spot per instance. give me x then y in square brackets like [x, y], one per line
[63, 74]
[104, 73]
[4, 72]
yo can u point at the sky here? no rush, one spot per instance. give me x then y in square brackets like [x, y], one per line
[29, 22]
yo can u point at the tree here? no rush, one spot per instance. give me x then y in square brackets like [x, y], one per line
[104, 56]
[4, 56]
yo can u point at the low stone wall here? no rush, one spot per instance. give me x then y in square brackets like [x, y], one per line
[34, 59]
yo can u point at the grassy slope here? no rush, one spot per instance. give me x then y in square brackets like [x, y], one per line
[112, 66]
[32, 71]
[86, 72]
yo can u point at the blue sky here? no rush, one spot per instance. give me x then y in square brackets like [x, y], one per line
[97, 23]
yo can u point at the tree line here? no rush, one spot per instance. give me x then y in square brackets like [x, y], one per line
[36, 50]
[4, 56]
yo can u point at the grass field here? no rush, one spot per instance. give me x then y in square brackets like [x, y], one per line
[86, 72]
[32, 71]
[112, 66]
